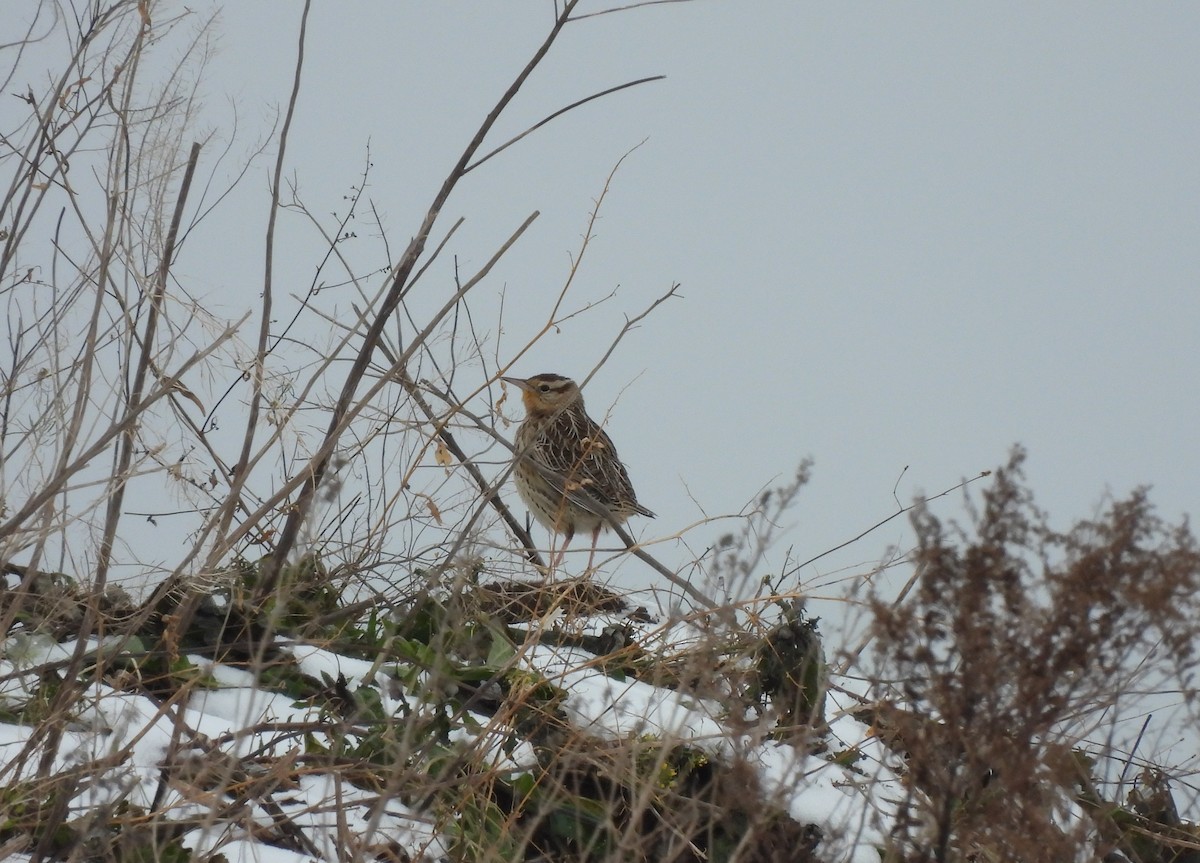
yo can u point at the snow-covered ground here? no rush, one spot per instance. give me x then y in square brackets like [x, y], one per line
[188, 757]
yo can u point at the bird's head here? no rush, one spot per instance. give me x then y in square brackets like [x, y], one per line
[546, 393]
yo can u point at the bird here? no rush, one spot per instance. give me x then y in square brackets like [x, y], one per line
[567, 470]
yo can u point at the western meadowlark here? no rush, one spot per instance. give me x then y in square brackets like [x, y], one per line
[567, 471]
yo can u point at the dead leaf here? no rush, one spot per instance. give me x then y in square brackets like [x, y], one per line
[191, 396]
[431, 506]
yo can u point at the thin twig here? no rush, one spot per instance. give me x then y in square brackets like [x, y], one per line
[240, 471]
[559, 113]
[630, 323]
[304, 478]
[117, 497]
[635, 548]
[626, 8]
[53, 486]
[884, 521]
[320, 463]
[445, 435]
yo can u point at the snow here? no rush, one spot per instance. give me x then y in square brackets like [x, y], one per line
[232, 715]
[813, 790]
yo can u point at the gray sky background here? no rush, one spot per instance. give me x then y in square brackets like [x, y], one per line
[907, 234]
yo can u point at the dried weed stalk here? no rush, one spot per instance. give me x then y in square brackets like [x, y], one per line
[1011, 655]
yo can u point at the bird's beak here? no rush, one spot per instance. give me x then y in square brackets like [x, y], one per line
[519, 383]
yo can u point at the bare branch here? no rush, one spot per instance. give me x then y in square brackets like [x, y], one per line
[117, 495]
[559, 113]
[240, 472]
[404, 268]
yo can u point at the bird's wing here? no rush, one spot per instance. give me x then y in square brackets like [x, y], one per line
[579, 458]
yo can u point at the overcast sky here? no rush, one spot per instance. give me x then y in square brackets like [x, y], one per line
[906, 234]
[908, 237]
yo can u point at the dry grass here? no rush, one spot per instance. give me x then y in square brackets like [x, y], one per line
[1004, 666]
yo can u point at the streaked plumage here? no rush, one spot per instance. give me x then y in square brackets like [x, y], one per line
[568, 471]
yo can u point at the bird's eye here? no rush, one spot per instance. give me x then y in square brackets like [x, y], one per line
[544, 388]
